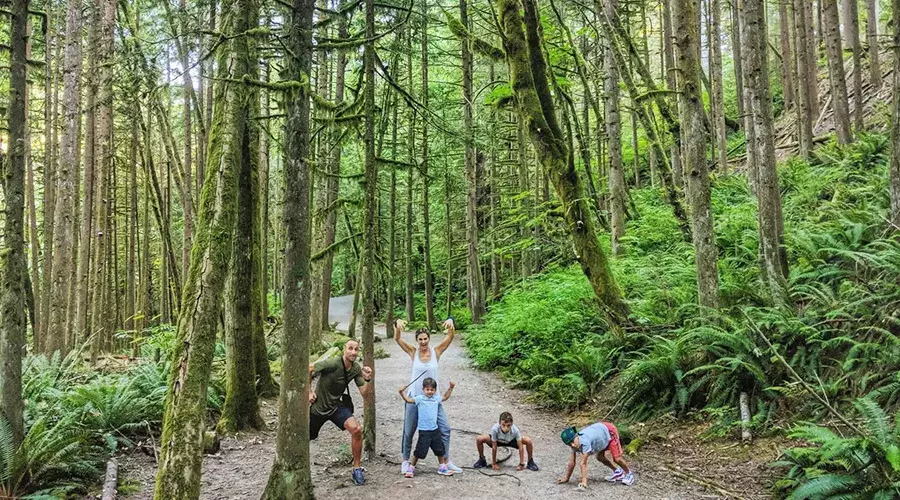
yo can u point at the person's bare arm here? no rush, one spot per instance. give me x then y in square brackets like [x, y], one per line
[449, 391]
[584, 463]
[367, 375]
[451, 332]
[405, 397]
[494, 464]
[570, 467]
[399, 325]
[521, 454]
[312, 376]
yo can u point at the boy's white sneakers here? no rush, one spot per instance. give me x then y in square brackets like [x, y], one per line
[404, 467]
[628, 479]
[455, 469]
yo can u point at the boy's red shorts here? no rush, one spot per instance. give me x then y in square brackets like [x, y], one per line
[615, 446]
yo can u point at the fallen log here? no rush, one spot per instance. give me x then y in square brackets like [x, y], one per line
[112, 479]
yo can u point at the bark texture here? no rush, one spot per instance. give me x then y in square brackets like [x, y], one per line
[836, 75]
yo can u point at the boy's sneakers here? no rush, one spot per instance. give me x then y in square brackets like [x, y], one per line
[404, 467]
[628, 479]
[615, 475]
[480, 464]
[532, 466]
[444, 470]
[410, 471]
[453, 468]
[359, 477]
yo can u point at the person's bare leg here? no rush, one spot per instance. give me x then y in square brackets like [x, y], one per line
[356, 439]
[480, 441]
[623, 464]
[529, 447]
[601, 456]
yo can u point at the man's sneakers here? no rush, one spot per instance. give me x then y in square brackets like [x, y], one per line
[444, 470]
[480, 464]
[404, 467]
[532, 466]
[359, 476]
[628, 479]
[615, 475]
[453, 468]
[410, 471]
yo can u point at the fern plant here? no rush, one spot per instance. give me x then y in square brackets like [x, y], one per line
[863, 466]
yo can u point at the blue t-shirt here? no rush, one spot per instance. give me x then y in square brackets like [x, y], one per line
[594, 438]
[428, 411]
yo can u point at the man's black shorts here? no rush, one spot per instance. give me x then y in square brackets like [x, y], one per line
[429, 439]
[511, 444]
[338, 417]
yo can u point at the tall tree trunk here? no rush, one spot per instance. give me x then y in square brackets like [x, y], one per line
[874, 47]
[805, 109]
[895, 122]
[787, 56]
[178, 476]
[836, 72]
[130, 268]
[103, 159]
[392, 222]
[243, 323]
[64, 210]
[687, 42]
[48, 204]
[528, 78]
[672, 84]
[87, 208]
[12, 279]
[768, 194]
[474, 279]
[410, 183]
[613, 118]
[188, 91]
[426, 219]
[851, 33]
[370, 220]
[717, 100]
[812, 54]
[290, 476]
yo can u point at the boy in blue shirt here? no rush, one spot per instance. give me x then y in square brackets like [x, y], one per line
[429, 434]
[596, 439]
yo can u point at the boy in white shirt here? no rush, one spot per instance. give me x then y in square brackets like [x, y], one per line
[505, 434]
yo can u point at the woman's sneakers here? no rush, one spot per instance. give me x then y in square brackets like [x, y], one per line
[453, 468]
[615, 475]
[410, 471]
[404, 467]
[480, 464]
[443, 470]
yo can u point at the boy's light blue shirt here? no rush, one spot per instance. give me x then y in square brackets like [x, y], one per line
[428, 411]
[594, 438]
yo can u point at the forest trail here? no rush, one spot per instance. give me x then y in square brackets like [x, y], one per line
[241, 468]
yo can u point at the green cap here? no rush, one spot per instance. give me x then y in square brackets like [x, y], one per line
[568, 435]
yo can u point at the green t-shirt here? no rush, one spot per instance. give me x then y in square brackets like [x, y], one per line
[332, 382]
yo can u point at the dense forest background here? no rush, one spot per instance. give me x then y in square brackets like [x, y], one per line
[675, 207]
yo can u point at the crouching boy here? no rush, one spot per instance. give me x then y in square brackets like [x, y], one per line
[596, 439]
[505, 434]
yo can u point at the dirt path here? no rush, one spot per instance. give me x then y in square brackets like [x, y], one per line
[240, 470]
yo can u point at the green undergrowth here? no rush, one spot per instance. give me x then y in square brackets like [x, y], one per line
[840, 334]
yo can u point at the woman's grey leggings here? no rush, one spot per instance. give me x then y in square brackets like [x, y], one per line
[411, 421]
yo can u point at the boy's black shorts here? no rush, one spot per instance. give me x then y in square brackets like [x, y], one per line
[340, 416]
[429, 439]
[511, 444]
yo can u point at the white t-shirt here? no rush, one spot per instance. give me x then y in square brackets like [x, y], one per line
[498, 435]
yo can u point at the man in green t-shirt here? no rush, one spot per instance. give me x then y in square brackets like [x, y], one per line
[335, 374]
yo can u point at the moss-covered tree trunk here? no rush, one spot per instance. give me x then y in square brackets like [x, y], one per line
[616, 170]
[528, 77]
[804, 106]
[290, 475]
[12, 279]
[178, 476]
[850, 11]
[426, 216]
[243, 321]
[685, 17]
[874, 47]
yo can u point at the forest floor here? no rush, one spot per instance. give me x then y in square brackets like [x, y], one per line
[241, 468]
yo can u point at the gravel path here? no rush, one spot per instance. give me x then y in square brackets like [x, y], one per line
[240, 470]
